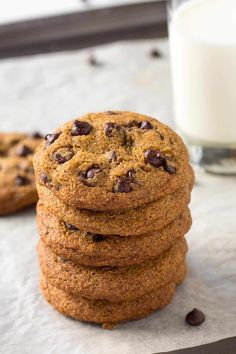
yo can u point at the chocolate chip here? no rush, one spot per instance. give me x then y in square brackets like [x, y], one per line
[146, 125]
[112, 156]
[29, 169]
[36, 135]
[130, 176]
[98, 238]
[80, 128]
[62, 155]
[155, 53]
[161, 136]
[87, 176]
[153, 157]
[122, 185]
[24, 151]
[14, 142]
[170, 169]
[127, 141]
[195, 317]
[71, 227]
[110, 128]
[50, 138]
[93, 61]
[92, 171]
[112, 113]
[132, 124]
[22, 181]
[3, 153]
[44, 178]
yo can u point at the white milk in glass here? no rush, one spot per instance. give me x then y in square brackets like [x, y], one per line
[203, 54]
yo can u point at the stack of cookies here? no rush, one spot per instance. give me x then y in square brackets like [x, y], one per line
[114, 190]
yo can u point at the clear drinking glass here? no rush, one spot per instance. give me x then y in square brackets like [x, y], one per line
[202, 35]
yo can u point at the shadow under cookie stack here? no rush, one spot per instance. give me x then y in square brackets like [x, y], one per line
[114, 190]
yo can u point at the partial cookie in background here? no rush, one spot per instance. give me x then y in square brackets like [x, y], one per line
[109, 313]
[111, 161]
[17, 179]
[96, 250]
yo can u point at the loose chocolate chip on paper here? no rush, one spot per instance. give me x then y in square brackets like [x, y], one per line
[146, 125]
[93, 61]
[50, 138]
[155, 53]
[71, 227]
[63, 155]
[195, 317]
[22, 181]
[153, 157]
[80, 128]
[24, 151]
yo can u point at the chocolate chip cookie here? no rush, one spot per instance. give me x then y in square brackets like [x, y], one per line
[111, 160]
[112, 283]
[98, 250]
[17, 180]
[107, 313]
[144, 219]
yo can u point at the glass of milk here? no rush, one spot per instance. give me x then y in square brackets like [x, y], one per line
[202, 37]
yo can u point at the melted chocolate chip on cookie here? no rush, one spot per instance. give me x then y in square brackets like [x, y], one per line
[95, 237]
[87, 176]
[24, 151]
[146, 125]
[36, 135]
[153, 157]
[44, 178]
[110, 128]
[132, 124]
[62, 155]
[170, 169]
[123, 183]
[71, 227]
[80, 128]
[112, 156]
[50, 138]
[22, 181]
[112, 113]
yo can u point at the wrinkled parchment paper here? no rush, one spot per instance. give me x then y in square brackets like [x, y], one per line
[40, 93]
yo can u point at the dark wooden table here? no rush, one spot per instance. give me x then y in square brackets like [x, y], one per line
[84, 29]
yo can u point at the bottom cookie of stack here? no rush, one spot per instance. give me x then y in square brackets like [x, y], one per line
[110, 313]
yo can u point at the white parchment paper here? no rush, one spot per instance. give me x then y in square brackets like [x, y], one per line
[43, 92]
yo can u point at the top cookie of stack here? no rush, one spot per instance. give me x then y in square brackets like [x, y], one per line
[112, 160]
